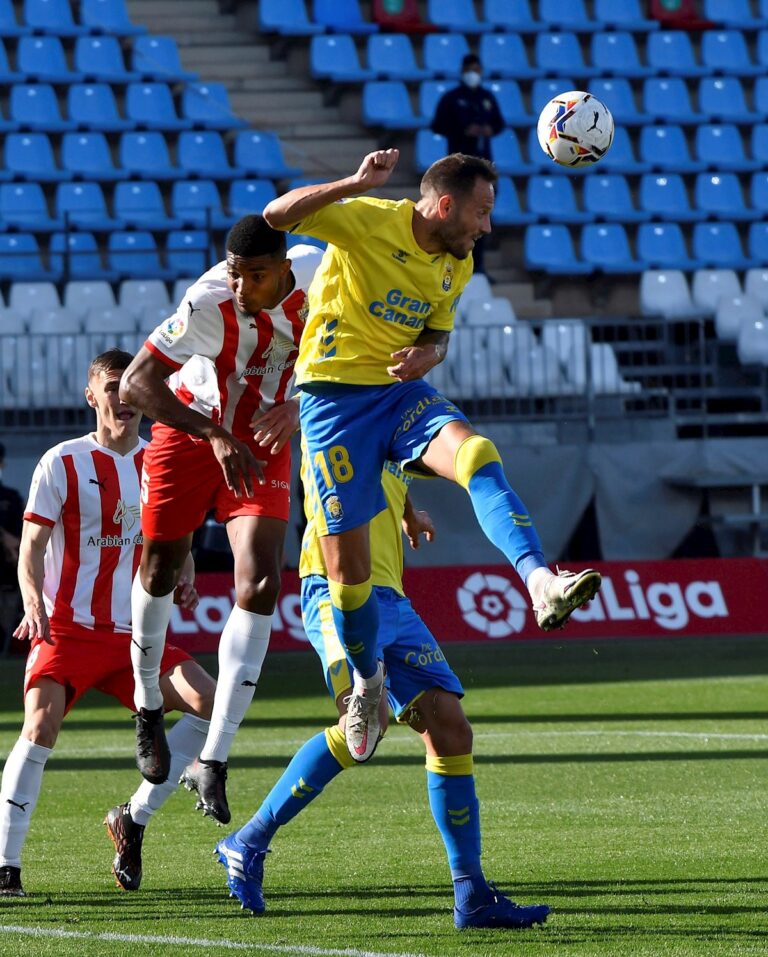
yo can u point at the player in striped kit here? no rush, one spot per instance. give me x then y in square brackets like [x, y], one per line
[80, 549]
[220, 442]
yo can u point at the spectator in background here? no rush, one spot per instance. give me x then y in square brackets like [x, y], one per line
[468, 116]
[11, 517]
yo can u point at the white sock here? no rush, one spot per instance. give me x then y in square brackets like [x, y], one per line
[536, 581]
[150, 617]
[242, 648]
[22, 777]
[366, 684]
[185, 739]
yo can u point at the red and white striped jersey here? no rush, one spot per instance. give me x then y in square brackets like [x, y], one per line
[89, 496]
[228, 363]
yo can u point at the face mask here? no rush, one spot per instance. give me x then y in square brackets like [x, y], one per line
[471, 78]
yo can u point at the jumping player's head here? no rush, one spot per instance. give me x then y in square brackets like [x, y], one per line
[258, 273]
[457, 194]
[104, 374]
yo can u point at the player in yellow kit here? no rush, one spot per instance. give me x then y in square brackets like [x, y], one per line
[381, 307]
[424, 693]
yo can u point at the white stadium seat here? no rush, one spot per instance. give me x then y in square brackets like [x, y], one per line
[733, 312]
[665, 292]
[25, 297]
[710, 284]
[756, 284]
[752, 345]
[82, 295]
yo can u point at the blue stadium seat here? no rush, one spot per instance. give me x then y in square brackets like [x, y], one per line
[29, 156]
[553, 199]
[87, 156]
[609, 198]
[723, 98]
[386, 103]
[23, 206]
[335, 57]
[7, 75]
[623, 15]
[260, 154]
[513, 16]
[108, 16]
[430, 93]
[53, 17]
[20, 258]
[506, 208]
[618, 96]
[664, 197]
[544, 89]
[758, 143]
[100, 59]
[83, 206]
[762, 49]
[140, 205]
[667, 99]
[505, 153]
[150, 106]
[443, 53]
[207, 106]
[718, 195]
[202, 153]
[615, 54]
[758, 193]
[249, 196]
[76, 256]
[9, 25]
[503, 54]
[718, 246]
[606, 247]
[662, 246]
[146, 155]
[511, 103]
[757, 243]
[198, 203]
[7, 126]
[92, 106]
[428, 148]
[567, 16]
[42, 59]
[157, 58]
[720, 146]
[550, 249]
[665, 148]
[455, 16]
[187, 252]
[342, 16]
[671, 52]
[559, 54]
[726, 51]
[760, 96]
[391, 57]
[287, 18]
[135, 255]
[735, 13]
[34, 106]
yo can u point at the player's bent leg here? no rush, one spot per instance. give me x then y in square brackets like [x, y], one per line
[151, 603]
[458, 453]
[44, 708]
[439, 718]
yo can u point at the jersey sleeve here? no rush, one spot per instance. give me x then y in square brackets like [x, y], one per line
[343, 223]
[443, 318]
[194, 329]
[47, 491]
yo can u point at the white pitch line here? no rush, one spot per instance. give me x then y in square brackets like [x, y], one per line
[700, 735]
[197, 942]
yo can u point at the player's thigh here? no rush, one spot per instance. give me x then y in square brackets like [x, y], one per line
[161, 564]
[440, 455]
[187, 687]
[257, 545]
[45, 705]
[427, 420]
[437, 715]
[347, 555]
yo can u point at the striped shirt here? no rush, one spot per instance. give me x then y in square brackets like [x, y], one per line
[229, 364]
[88, 496]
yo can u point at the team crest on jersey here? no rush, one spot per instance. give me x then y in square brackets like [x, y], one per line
[448, 277]
[333, 507]
[127, 514]
[304, 311]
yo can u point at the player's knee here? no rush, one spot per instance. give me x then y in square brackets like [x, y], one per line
[159, 580]
[349, 597]
[259, 595]
[473, 453]
[40, 728]
[439, 717]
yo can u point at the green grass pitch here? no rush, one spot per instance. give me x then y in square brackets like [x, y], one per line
[624, 783]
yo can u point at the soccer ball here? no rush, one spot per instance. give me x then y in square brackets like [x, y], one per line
[575, 129]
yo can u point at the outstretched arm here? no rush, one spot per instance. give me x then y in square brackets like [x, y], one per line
[292, 207]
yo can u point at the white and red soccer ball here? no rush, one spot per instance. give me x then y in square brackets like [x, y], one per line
[575, 129]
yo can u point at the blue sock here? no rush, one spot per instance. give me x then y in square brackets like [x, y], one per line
[504, 519]
[311, 768]
[456, 811]
[358, 633]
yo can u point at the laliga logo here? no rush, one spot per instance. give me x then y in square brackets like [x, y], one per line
[491, 605]
[212, 612]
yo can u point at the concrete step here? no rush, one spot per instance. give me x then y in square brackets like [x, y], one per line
[258, 88]
[236, 73]
[210, 55]
[143, 10]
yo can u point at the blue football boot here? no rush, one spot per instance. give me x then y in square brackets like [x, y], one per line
[245, 872]
[500, 911]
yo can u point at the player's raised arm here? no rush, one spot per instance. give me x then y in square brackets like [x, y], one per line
[297, 204]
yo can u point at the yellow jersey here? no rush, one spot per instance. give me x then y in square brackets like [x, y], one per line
[374, 291]
[385, 531]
